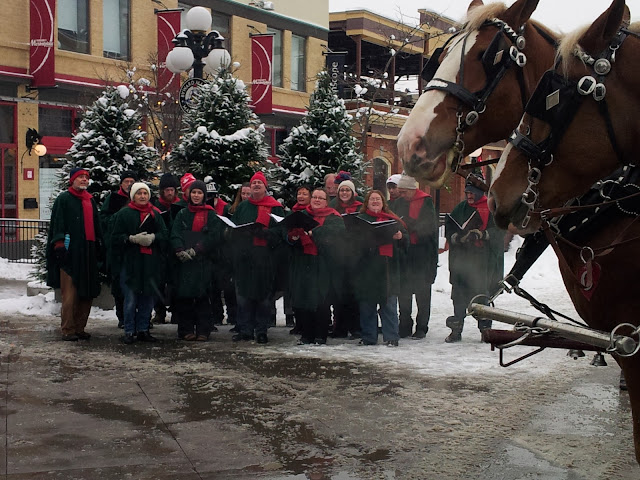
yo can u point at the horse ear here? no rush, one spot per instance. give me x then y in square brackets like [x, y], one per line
[474, 4]
[599, 34]
[626, 18]
[518, 13]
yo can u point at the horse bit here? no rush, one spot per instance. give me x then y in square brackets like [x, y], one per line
[477, 101]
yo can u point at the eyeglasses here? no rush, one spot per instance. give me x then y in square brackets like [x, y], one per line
[319, 198]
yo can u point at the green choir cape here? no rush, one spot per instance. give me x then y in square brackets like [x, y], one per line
[84, 258]
[144, 272]
[195, 278]
[255, 267]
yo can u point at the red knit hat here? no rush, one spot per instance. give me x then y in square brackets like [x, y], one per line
[259, 176]
[186, 181]
[75, 172]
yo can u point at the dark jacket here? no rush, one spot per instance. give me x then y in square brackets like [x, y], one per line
[310, 276]
[194, 278]
[144, 272]
[378, 277]
[83, 257]
[420, 259]
[254, 266]
[474, 265]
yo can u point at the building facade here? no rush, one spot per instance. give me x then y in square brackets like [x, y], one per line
[87, 44]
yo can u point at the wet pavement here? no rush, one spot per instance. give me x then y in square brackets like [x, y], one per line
[219, 410]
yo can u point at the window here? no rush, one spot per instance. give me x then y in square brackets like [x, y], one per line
[55, 122]
[220, 23]
[115, 28]
[274, 138]
[73, 25]
[298, 74]
[276, 76]
[7, 130]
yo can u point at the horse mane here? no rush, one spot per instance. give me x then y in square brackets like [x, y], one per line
[570, 42]
[477, 16]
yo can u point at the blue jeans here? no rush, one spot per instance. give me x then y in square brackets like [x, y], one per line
[388, 316]
[253, 315]
[136, 308]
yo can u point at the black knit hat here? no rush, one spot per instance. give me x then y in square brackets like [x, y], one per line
[471, 185]
[128, 174]
[168, 180]
[197, 185]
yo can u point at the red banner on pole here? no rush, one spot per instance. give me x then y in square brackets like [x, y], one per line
[42, 62]
[261, 68]
[168, 28]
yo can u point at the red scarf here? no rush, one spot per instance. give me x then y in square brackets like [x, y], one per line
[264, 211]
[309, 246]
[349, 207]
[145, 211]
[87, 212]
[385, 250]
[201, 216]
[297, 207]
[123, 193]
[483, 210]
[166, 204]
[415, 205]
[219, 208]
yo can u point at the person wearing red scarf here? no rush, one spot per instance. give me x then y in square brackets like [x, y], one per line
[313, 254]
[303, 200]
[378, 270]
[195, 237]
[113, 203]
[167, 203]
[255, 261]
[139, 242]
[420, 259]
[74, 252]
[346, 314]
[476, 255]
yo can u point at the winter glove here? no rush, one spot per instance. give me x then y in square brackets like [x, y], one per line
[137, 238]
[472, 236]
[61, 254]
[191, 252]
[455, 239]
[147, 239]
[183, 256]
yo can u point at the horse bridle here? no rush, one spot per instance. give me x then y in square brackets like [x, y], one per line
[496, 63]
[555, 101]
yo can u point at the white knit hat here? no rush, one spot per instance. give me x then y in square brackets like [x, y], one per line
[348, 183]
[407, 182]
[137, 186]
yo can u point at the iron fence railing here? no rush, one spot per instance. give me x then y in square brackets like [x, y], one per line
[17, 236]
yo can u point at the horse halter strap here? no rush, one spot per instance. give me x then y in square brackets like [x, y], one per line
[496, 62]
[556, 101]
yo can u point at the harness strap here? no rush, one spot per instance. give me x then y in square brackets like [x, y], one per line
[604, 111]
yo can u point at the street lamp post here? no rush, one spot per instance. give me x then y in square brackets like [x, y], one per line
[195, 48]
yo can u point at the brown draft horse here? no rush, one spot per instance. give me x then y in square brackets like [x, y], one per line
[485, 75]
[581, 125]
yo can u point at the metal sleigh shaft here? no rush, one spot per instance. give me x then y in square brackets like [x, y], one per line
[544, 332]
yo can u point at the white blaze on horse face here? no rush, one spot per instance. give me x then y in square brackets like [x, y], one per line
[448, 71]
[502, 162]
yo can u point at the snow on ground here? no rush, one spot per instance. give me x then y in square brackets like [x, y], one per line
[431, 355]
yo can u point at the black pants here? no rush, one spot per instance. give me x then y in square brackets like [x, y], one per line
[194, 316]
[461, 298]
[347, 317]
[313, 324]
[405, 302]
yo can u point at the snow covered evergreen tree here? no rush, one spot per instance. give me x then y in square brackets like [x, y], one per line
[322, 143]
[108, 142]
[222, 137]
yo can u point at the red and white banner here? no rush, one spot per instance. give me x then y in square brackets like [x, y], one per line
[261, 68]
[168, 28]
[42, 63]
